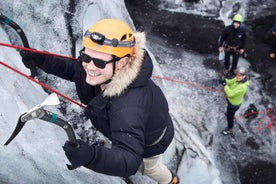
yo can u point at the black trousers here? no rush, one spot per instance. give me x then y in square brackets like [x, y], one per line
[235, 60]
[231, 110]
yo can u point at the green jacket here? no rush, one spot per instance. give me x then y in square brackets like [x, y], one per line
[235, 90]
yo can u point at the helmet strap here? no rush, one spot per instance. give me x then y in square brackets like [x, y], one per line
[114, 68]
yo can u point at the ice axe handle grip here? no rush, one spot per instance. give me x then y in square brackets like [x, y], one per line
[57, 120]
[73, 142]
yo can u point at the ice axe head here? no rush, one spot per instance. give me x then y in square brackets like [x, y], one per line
[51, 100]
[17, 129]
[31, 114]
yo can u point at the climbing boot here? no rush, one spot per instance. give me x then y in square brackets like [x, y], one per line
[225, 72]
[175, 179]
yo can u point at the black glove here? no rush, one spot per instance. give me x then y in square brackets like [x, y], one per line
[32, 59]
[80, 155]
[222, 81]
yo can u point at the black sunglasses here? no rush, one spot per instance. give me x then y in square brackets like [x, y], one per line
[97, 62]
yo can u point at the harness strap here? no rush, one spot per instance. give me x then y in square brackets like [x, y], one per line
[228, 48]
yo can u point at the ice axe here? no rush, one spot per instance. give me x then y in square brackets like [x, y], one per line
[40, 113]
[20, 32]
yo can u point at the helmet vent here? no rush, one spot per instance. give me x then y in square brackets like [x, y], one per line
[123, 37]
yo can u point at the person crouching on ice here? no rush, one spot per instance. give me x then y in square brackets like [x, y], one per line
[112, 77]
[235, 90]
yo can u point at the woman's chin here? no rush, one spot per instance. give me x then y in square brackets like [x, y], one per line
[93, 81]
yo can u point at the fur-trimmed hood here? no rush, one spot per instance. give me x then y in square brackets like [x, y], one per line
[135, 73]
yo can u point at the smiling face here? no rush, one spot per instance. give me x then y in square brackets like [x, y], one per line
[94, 75]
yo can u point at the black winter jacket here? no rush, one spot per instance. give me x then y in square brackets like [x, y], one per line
[273, 44]
[133, 119]
[233, 37]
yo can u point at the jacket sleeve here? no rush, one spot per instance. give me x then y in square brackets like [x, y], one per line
[243, 40]
[233, 92]
[127, 136]
[60, 67]
[223, 37]
[273, 44]
[230, 81]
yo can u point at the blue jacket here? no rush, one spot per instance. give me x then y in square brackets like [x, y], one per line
[133, 115]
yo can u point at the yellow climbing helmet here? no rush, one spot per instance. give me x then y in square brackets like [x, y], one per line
[110, 36]
[237, 18]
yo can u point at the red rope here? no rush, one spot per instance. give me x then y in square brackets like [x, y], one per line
[34, 50]
[41, 84]
[156, 77]
[268, 115]
[269, 118]
[187, 83]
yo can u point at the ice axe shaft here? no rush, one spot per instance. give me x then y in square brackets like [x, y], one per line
[40, 113]
[20, 32]
[57, 120]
